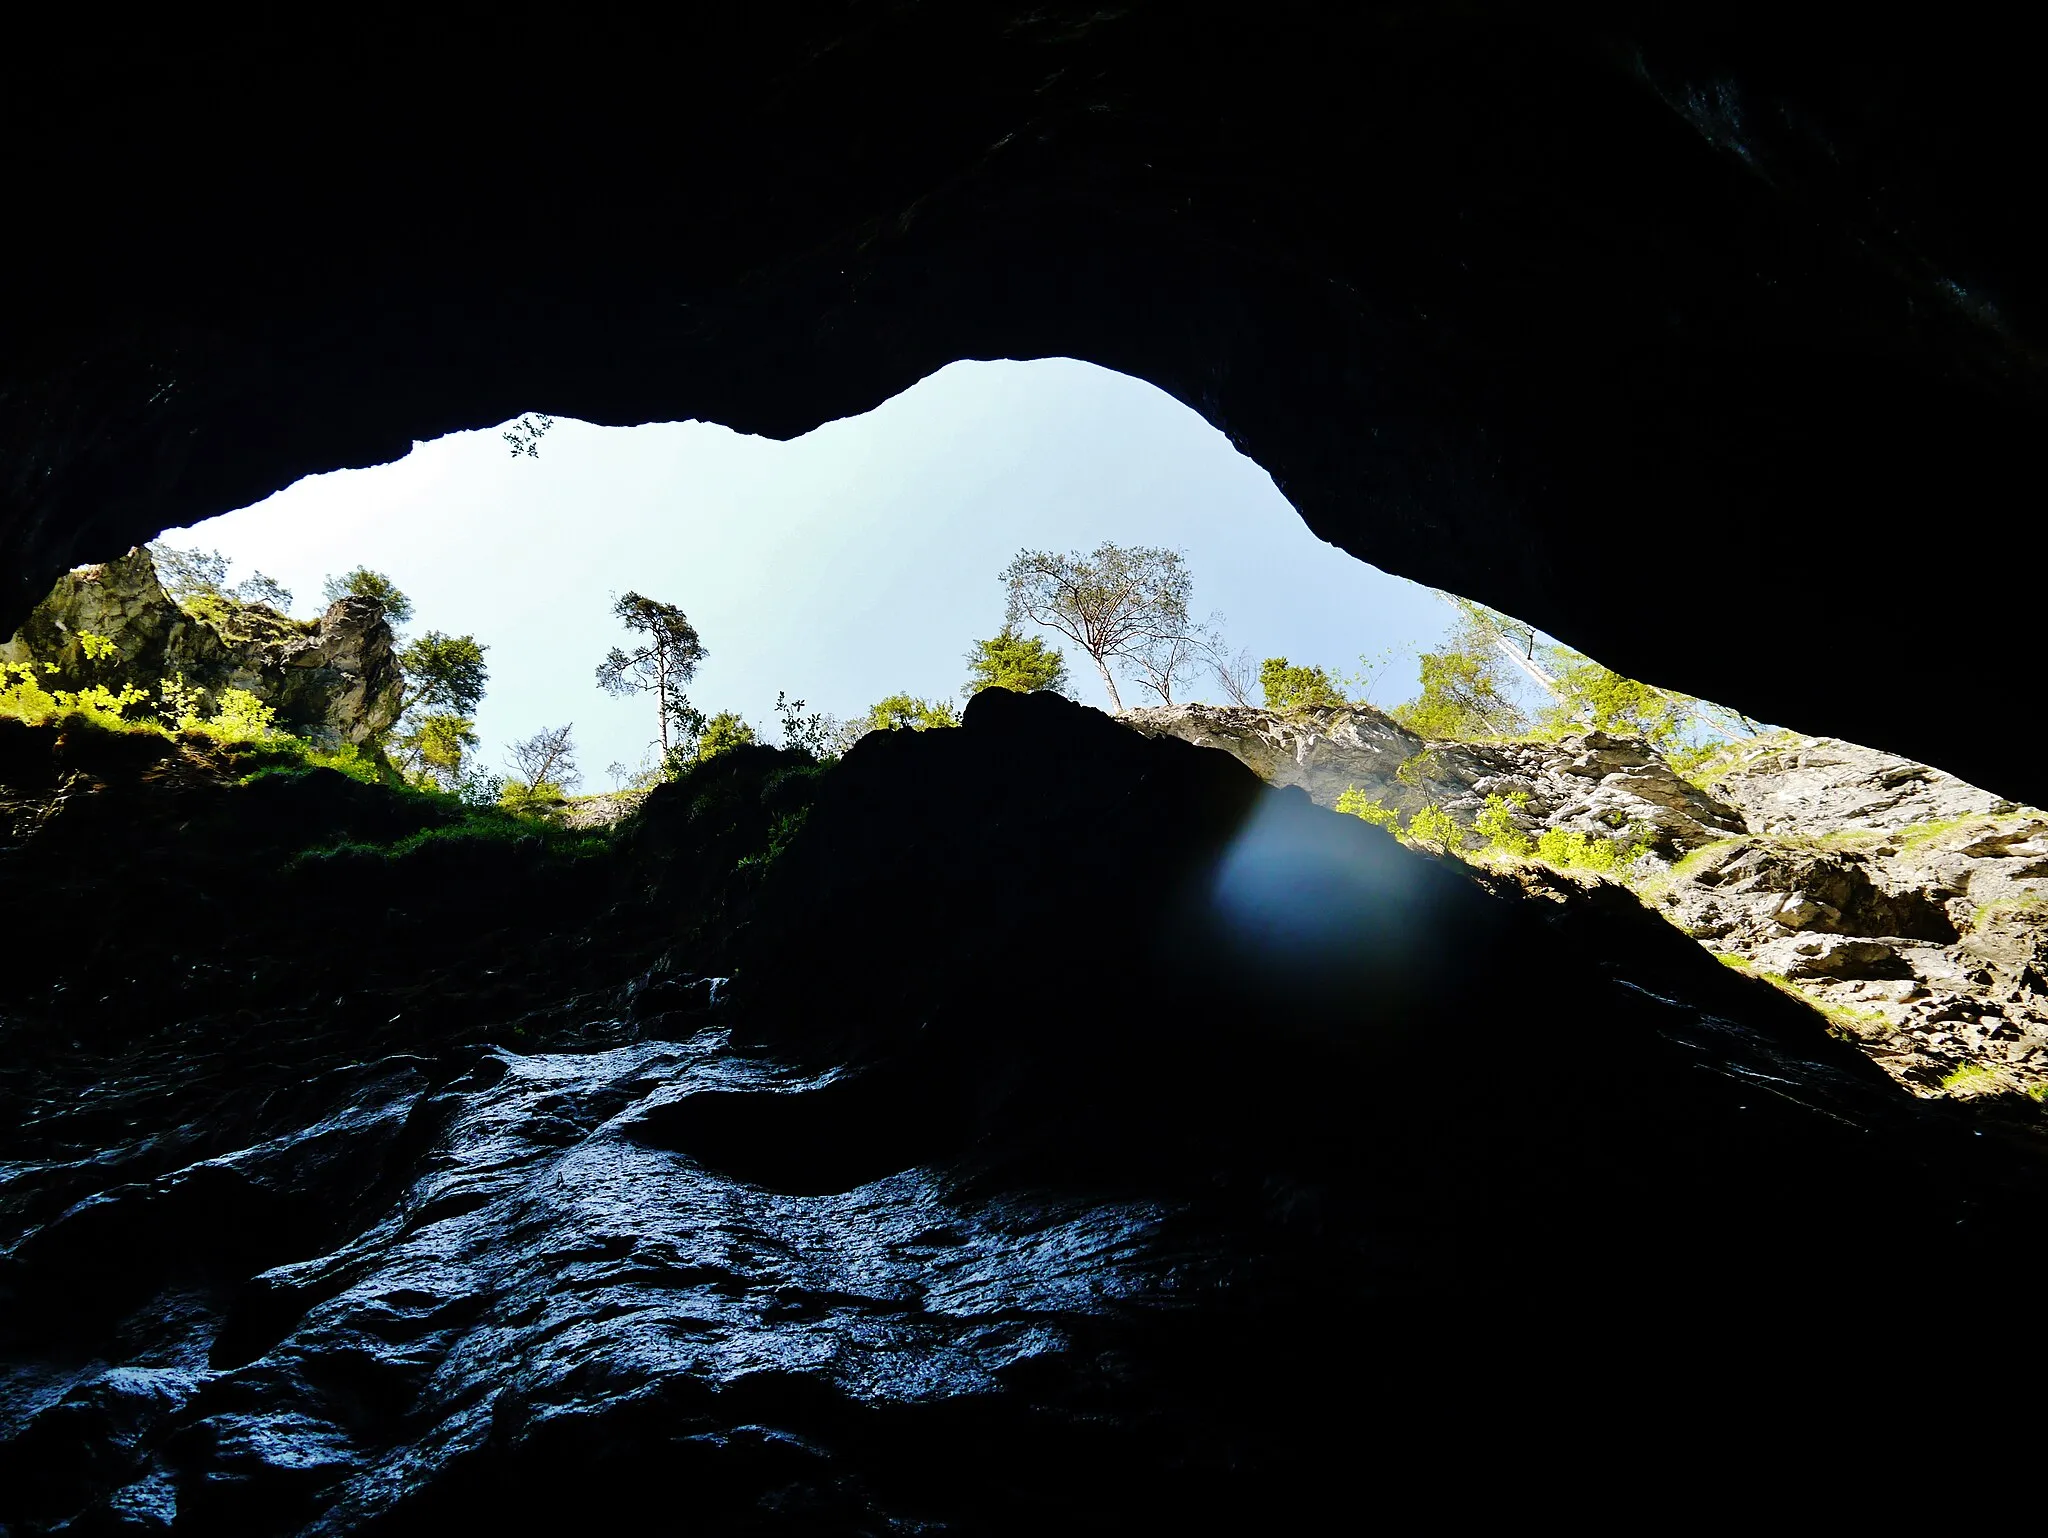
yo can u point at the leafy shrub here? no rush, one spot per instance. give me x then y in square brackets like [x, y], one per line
[725, 731]
[535, 800]
[241, 717]
[1496, 823]
[1012, 660]
[1289, 686]
[1356, 803]
[905, 712]
[1464, 696]
[23, 696]
[1585, 851]
[1435, 828]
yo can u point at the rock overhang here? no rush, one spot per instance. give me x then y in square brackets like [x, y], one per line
[1668, 336]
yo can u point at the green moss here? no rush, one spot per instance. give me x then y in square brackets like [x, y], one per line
[2029, 904]
[1688, 866]
[1967, 1076]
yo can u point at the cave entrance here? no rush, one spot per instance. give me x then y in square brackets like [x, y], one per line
[856, 562]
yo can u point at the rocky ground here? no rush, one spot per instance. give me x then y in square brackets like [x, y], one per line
[1911, 907]
[1031, 1127]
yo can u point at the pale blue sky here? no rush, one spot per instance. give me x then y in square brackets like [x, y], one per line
[855, 561]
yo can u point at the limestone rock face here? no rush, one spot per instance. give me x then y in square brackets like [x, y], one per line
[1913, 905]
[1585, 782]
[1910, 904]
[333, 680]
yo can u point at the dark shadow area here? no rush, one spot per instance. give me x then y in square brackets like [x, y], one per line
[1330, 1163]
[1593, 317]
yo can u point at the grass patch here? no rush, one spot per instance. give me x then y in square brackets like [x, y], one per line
[1969, 1075]
[1684, 868]
[2028, 904]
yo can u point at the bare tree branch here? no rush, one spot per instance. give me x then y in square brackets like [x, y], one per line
[546, 758]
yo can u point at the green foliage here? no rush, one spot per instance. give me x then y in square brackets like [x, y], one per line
[1968, 1076]
[23, 696]
[1123, 605]
[267, 591]
[1496, 823]
[444, 674]
[97, 648]
[1464, 696]
[431, 748]
[185, 574]
[1411, 770]
[1585, 851]
[660, 663]
[905, 712]
[785, 828]
[365, 583]
[534, 800]
[1012, 660]
[1435, 828]
[1590, 695]
[240, 717]
[1356, 803]
[1291, 687]
[725, 731]
[814, 735]
[444, 683]
[236, 620]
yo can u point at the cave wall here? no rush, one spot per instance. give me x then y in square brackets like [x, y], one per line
[1712, 346]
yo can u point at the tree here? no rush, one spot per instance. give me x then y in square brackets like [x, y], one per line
[433, 747]
[548, 757]
[1468, 682]
[1595, 696]
[444, 673]
[545, 766]
[725, 731]
[1461, 698]
[1115, 605]
[1234, 674]
[365, 583]
[186, 575]
[660, 665]
[444, 683]
[1009, 659]
[906, 712]
[1163, 660]
[268, 591]
[1293, 686]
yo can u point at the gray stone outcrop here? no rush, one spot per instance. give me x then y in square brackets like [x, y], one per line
[1909, 904]
[1587, 782]
[333, 680]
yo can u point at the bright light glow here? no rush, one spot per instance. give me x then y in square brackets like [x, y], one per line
[855, 561]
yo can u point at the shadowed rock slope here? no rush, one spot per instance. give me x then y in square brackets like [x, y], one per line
[1031, 1127]
[1911, 906]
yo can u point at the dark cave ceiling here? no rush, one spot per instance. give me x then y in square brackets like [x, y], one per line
[1711, 346]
